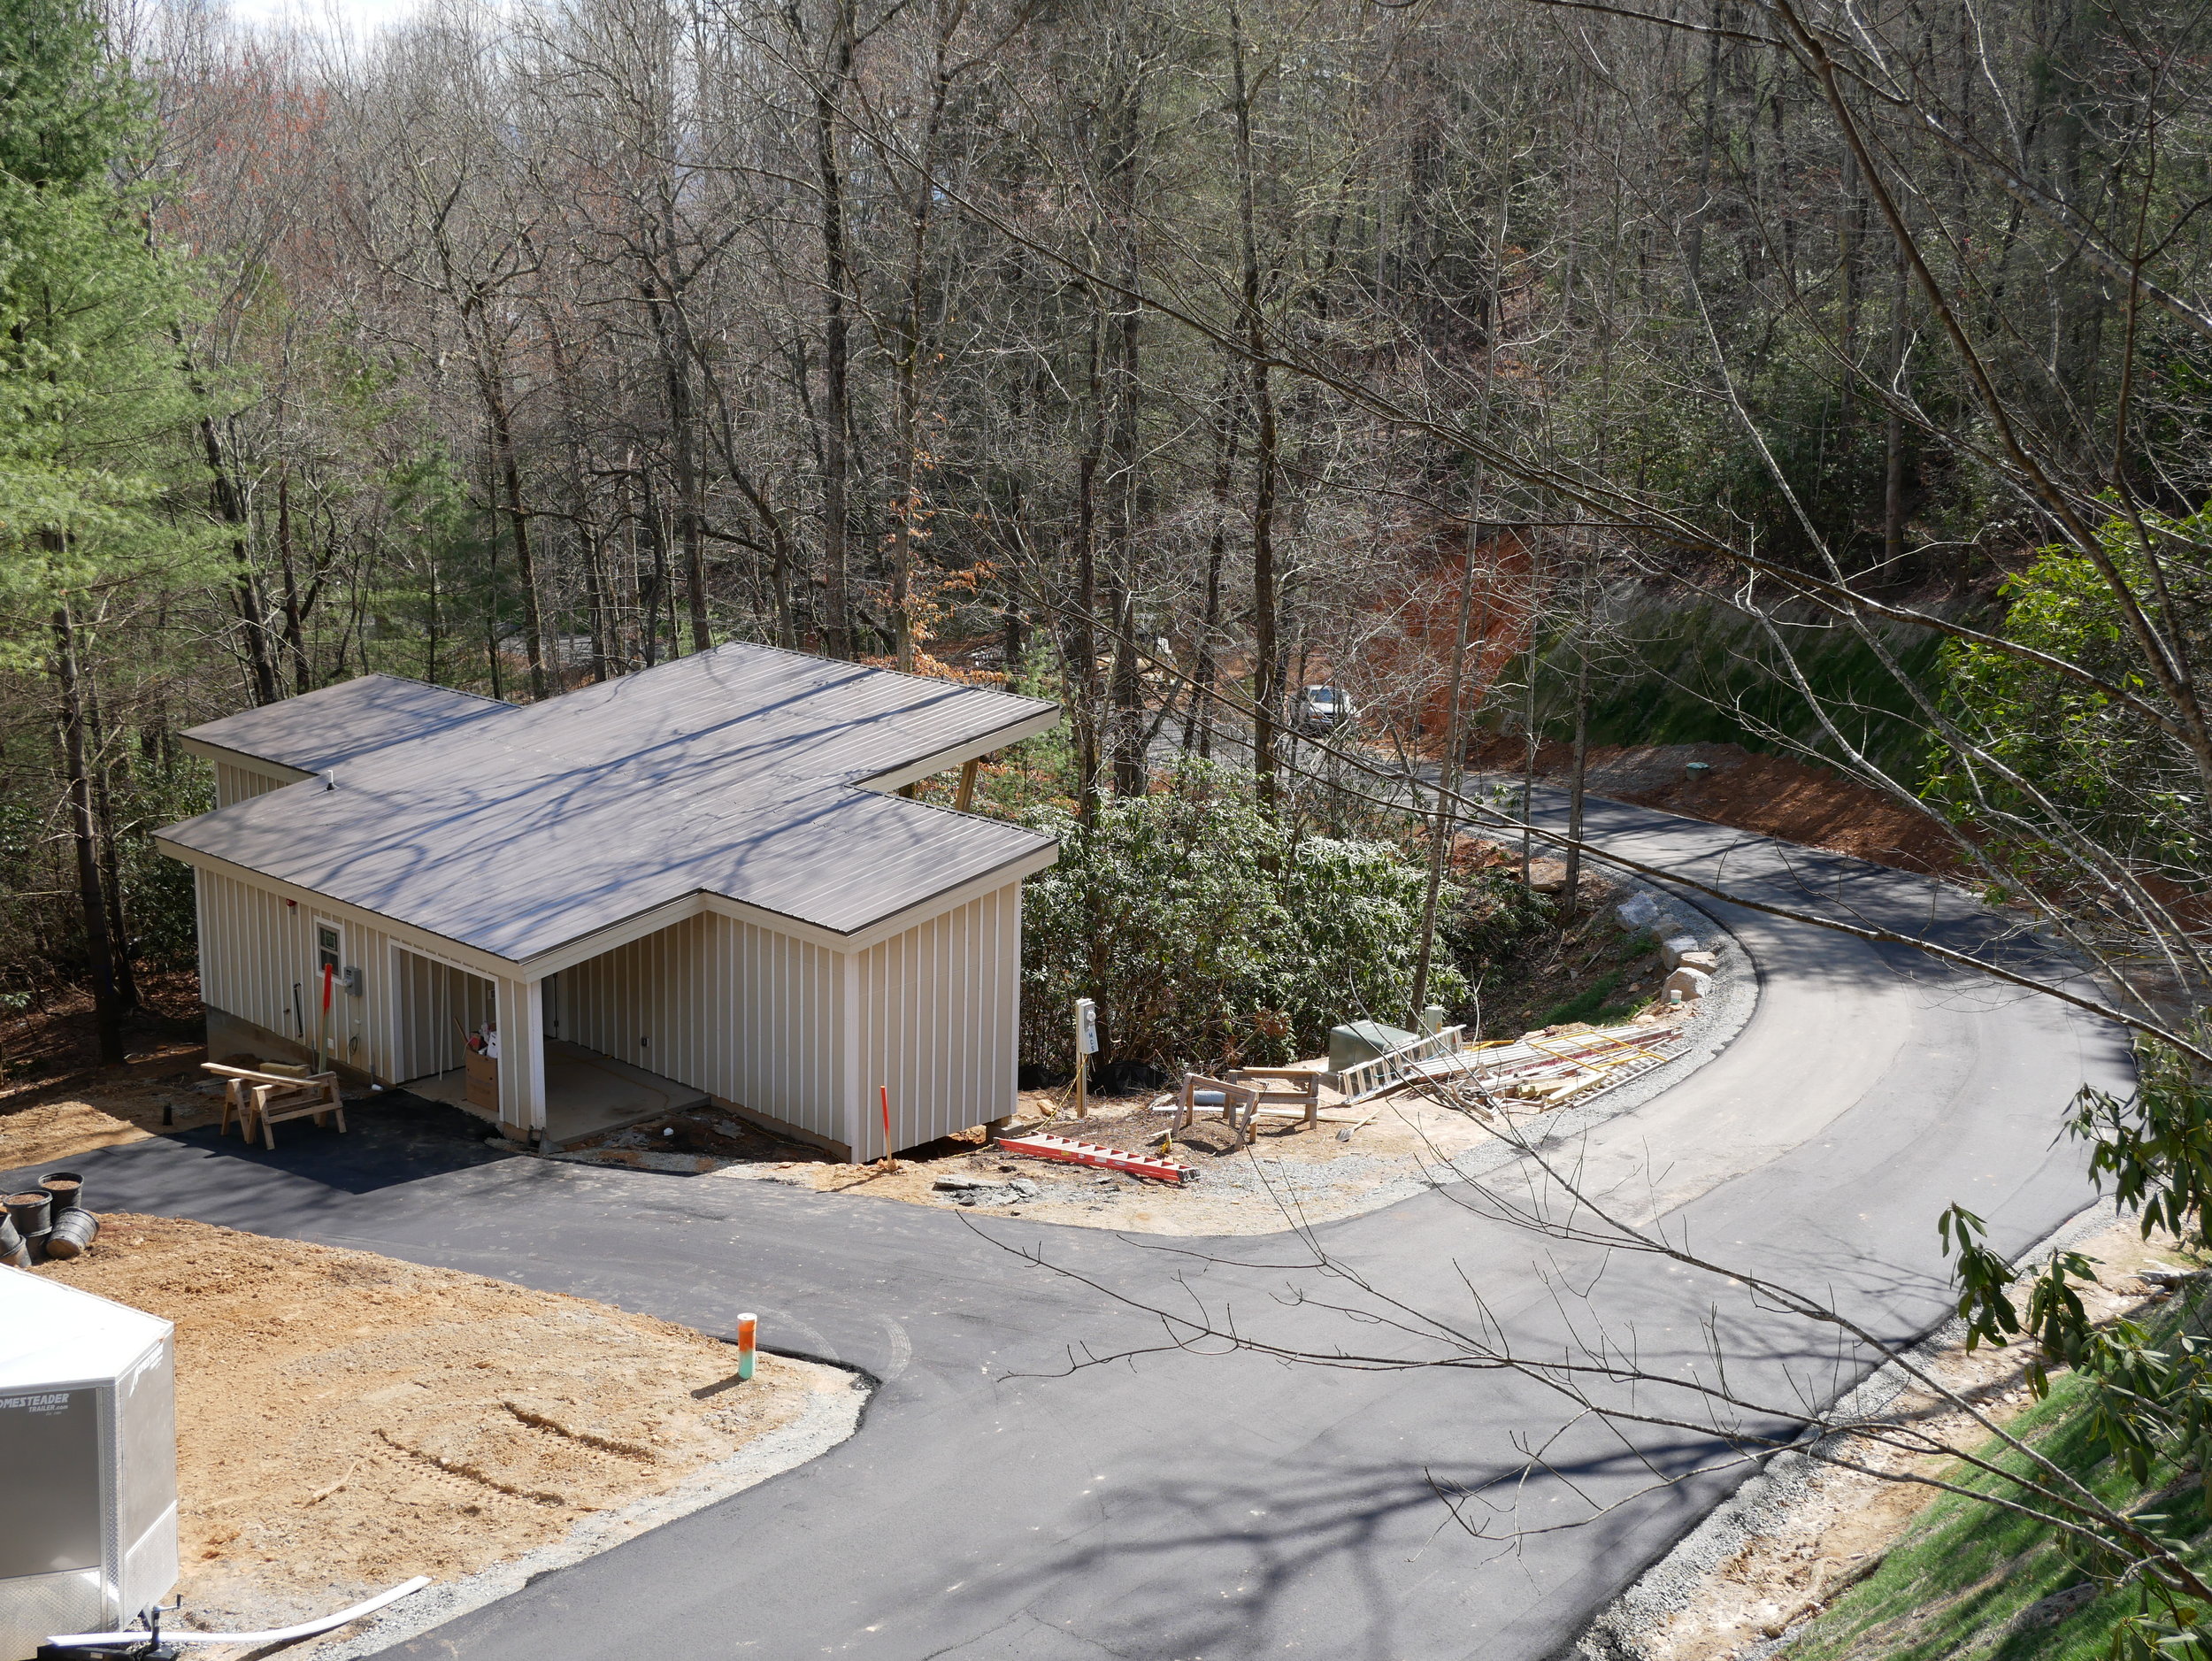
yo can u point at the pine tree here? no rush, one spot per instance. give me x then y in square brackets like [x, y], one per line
[93, 406]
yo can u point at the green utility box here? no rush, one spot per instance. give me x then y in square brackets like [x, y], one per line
[1362, 1041]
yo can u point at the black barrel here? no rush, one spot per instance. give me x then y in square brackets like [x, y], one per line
[72, 1233]
[65, 1188]
[32, 1213]
[13, 1252]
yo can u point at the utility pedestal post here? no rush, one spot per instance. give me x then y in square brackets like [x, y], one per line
[1086, 1047]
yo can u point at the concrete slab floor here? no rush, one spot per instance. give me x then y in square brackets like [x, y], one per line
[585, 1093]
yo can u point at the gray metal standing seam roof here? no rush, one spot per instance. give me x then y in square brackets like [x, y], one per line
[319, 729]
[734, 771]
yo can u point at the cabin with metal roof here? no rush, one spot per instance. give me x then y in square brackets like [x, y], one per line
[695, 883]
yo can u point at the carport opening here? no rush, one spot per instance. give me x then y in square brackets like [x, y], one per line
[439, 1007]
[593, 1014]
[587, 1091]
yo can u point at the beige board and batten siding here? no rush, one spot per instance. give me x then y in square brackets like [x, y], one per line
[256, 956]
[741, 1012]
[235, 783]
[747, 1014]
[434, 1007]
[253, 947]
[938, 1022]
[257, 963]
[804, 1035]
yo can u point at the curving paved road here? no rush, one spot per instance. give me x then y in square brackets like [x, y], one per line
[1182, 1506]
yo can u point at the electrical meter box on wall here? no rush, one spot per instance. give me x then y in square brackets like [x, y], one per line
[88, 1452]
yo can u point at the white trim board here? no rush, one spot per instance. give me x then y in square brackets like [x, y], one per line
[474, 960]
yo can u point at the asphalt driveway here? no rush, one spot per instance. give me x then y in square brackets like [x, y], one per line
[1001, 1500]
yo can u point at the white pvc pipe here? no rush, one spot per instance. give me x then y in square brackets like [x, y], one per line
[282, 1634]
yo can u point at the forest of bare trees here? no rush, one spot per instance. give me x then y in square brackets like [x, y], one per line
[1164, 357]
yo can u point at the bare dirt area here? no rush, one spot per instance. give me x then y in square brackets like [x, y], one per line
[43, 1124]
[1289, 1175]
[345, 1421]
[1357, 1158]
[1772, 796]
[1837, 1529]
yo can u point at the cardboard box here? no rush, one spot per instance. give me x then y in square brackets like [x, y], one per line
[483, 1083]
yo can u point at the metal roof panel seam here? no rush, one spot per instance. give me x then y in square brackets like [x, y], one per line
[731, 773]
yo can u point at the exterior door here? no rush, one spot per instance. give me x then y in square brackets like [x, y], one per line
[325, 987]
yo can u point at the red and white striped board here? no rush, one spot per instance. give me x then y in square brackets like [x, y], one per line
[1041, 1146]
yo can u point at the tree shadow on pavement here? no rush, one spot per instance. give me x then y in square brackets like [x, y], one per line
[389, 1139]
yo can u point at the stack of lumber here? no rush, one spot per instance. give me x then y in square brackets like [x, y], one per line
[1548, 1069]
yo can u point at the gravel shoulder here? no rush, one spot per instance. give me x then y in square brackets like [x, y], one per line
[1406, 1143]
[1802, 1532]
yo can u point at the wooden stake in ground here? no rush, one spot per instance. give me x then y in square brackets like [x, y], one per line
[889, 1164]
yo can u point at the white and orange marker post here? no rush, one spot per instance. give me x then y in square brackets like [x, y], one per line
[748, 1326]
[883, 1091]
[322, 1034]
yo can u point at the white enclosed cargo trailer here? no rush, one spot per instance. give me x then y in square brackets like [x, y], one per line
[88, 1452]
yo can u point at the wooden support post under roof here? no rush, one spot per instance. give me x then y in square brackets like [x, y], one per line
[967, 785]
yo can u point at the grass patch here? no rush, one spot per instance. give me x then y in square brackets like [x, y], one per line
[1965, 1576]
[1593, 1003]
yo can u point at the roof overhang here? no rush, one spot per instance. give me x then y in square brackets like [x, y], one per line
[636, 927]
[207, 751]
[969, 749]
[885, 928]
